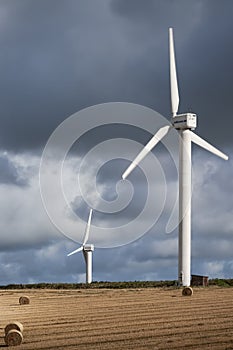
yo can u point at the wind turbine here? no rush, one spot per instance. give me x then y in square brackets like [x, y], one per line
[183, 123]
[87, 250]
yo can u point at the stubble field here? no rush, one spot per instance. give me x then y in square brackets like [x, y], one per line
[121, 319]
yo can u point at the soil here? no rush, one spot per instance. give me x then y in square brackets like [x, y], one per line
[121, 319]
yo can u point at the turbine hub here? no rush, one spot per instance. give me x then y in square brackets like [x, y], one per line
[184, 121]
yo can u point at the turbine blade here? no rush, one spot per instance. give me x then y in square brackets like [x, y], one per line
[86, 235]
[173, 76]
[76, 251]
[149, 146]
[202, 143]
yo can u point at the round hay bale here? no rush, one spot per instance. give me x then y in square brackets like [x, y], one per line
[13, 338]
[187, 292]
[14, 325]
[24, 300]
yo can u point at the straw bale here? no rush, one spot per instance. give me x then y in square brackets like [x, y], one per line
[24, 300]
[13, 338]
[187, 292]
[14, 325]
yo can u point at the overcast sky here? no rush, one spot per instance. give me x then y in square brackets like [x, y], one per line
[60, 56]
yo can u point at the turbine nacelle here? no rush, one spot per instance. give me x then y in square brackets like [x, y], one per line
[88, 247]
[184, 121]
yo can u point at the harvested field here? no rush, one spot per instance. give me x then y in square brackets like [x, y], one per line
[121, 319]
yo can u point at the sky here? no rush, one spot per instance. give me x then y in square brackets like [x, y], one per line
[59, 58]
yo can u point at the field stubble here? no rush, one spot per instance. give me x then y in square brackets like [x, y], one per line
[121, 319]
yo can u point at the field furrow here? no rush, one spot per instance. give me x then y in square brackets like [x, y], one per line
[122, 319]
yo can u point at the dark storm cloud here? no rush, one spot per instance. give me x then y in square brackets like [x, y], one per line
[58, 57]
[204, 55]
[36, 69]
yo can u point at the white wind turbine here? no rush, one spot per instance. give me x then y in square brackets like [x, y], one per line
[184, 123]
[87, 250]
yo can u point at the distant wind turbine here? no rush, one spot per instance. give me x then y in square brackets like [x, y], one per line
[184, 123]
[87, 250]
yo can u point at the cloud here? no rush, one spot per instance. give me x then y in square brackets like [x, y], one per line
[27, 234]
[23, 221]
[212, 213]
[59, 57]
[11, 173]
[67, 56]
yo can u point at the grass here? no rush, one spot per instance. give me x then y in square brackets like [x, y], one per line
[113, 285]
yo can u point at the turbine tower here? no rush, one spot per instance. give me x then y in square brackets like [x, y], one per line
[87, 250]
[183, 123]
